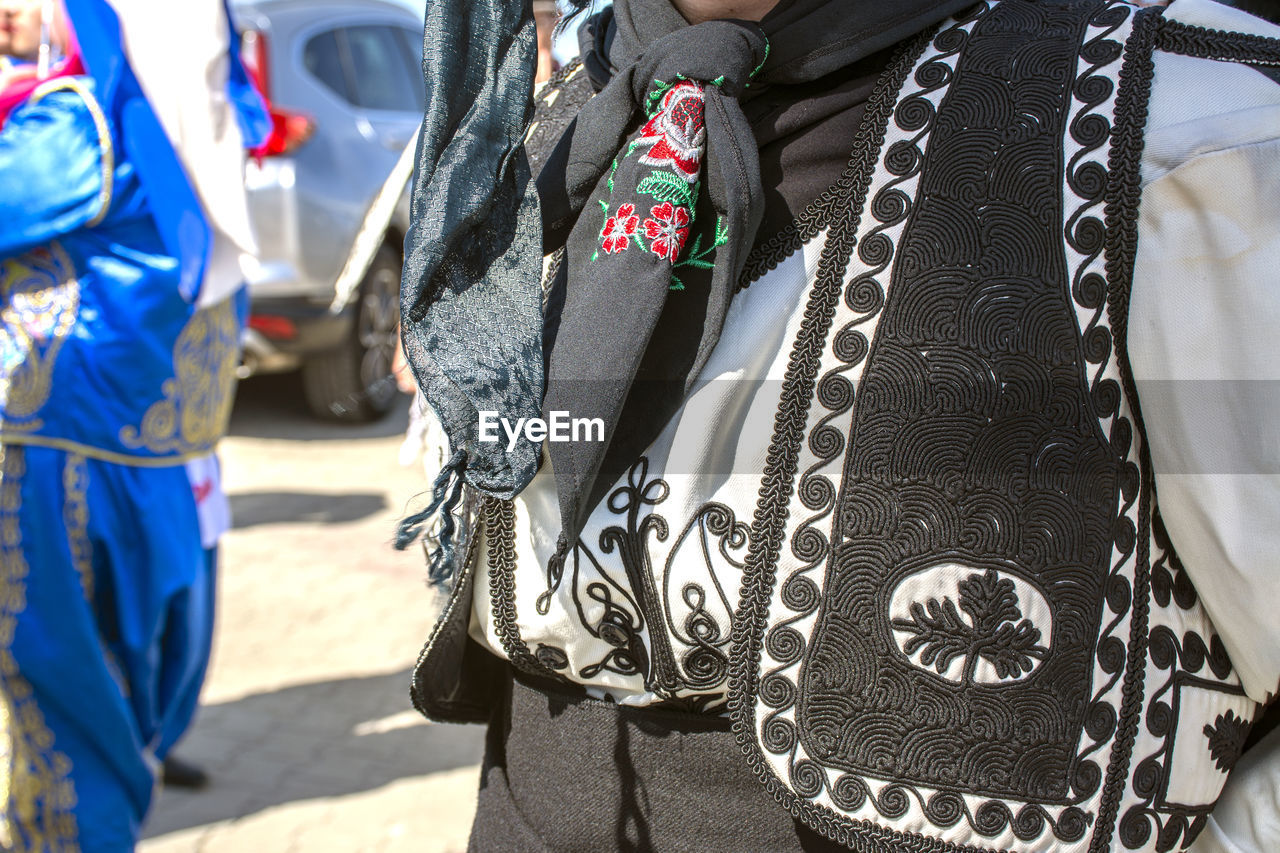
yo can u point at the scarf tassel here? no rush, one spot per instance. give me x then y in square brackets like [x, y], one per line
[446, 493]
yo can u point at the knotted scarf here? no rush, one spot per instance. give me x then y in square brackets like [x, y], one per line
[657, 177]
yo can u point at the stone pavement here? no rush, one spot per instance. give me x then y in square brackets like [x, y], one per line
[306, 724]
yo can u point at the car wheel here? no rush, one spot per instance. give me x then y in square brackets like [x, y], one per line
[354, 383]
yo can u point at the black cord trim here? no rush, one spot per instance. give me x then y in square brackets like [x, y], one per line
[1202, 43]
[822, 211]
[499, 520]
[560, 76]
[1124, 191]
[780, 469]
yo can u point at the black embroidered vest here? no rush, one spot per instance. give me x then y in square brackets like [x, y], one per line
[960, 625]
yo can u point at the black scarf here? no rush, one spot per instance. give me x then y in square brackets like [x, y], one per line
[617, 338]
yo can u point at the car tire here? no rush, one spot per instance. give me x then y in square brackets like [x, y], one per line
[354, 383]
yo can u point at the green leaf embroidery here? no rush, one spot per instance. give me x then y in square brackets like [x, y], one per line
[660, 89]
[665, 186]
[651, 103]
[697, 257]
[613, 169]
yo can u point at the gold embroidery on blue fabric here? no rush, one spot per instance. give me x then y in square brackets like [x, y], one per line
[40, 295]
[37, 796]
[197, 401]
[104, 137]
[25, 440]
[75, 515]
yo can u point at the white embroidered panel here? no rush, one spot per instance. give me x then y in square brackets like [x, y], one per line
[700, 478]
[643, 612]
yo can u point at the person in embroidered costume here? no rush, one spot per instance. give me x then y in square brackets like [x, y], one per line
[939, 505]
[120, 316]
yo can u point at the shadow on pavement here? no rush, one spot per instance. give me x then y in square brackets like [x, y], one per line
[325, 739]
[272, 406]
[250, 509]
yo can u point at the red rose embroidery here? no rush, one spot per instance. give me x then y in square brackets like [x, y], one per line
[619, 229]
[668, 230]
[677, 132]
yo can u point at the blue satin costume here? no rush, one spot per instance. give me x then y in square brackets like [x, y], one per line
[109, 380]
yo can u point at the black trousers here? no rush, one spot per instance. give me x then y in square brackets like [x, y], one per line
[568, 773]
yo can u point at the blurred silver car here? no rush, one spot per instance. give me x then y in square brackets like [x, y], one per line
[328, 193]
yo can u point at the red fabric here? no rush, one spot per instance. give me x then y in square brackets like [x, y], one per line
[20, 89]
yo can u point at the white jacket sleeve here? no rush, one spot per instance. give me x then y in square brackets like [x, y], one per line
[1203, 341]
[1204, 325]
[1247, 817]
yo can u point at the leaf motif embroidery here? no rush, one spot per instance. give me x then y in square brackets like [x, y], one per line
[992, 632]
[1227, 737]
[666, 187]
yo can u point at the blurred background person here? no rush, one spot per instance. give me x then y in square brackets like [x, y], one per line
[120, 312]
[545, 16]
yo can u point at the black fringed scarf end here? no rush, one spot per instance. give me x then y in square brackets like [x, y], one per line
[446, 493]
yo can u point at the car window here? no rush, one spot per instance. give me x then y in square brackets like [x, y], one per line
[322, 58]
[411, 41]
[381, 78]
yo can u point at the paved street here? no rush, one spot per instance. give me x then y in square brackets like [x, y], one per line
[306, 724]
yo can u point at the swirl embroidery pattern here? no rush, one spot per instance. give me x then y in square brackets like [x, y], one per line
[1181, 761]
[41, 297]
[815, 500]
[670, 630]
[192, 414]
[973, 444]
[682, 659]
[37, 796]
[1092, 100]
[1187, 732]
[976, 617]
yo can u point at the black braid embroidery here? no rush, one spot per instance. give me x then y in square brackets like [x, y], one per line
[973, 443]
[755, 600]
[1085, 234]
[767, 254]
[864, 296]
[1201, 43]
[499, 520]
[1124, 192]
[771, 514]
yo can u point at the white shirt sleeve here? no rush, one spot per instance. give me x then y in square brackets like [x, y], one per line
[1204, 322]
[1247, 817]
[1204, 325]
